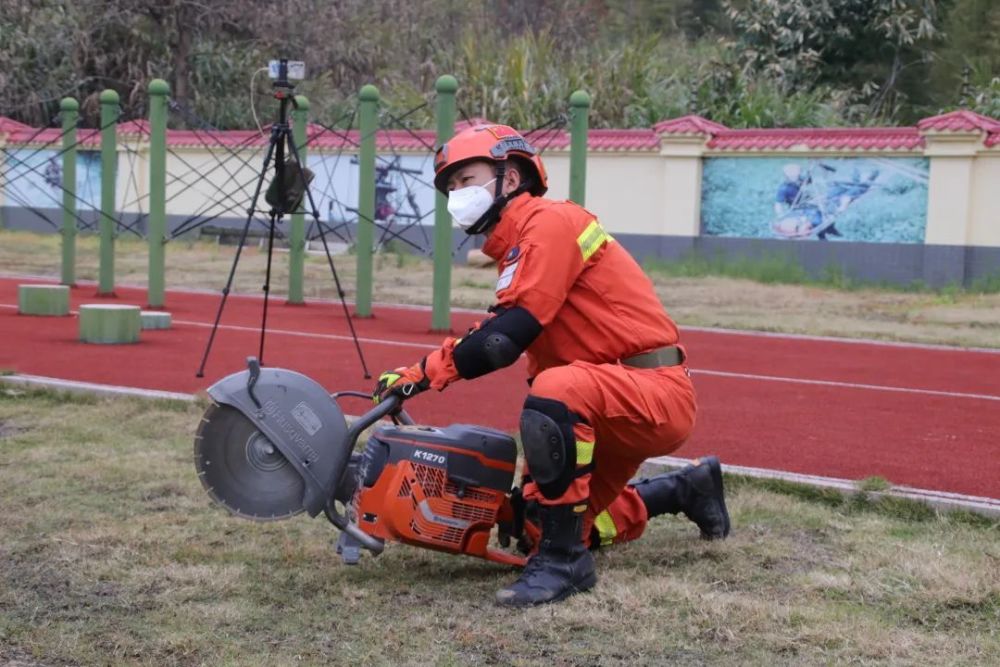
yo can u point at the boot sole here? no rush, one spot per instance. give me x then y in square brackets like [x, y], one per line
[582, 586]
[715, 469]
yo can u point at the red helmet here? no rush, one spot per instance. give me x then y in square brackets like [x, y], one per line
[494, 143]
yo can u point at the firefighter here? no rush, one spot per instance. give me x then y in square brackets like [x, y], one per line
[609, 385]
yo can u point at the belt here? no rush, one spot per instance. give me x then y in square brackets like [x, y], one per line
[671, 355]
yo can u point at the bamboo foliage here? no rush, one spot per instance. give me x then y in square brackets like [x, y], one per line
[739, 62]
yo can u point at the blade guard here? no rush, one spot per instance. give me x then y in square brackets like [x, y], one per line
[299, 417]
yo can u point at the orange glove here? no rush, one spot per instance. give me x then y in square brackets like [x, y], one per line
[404, 382]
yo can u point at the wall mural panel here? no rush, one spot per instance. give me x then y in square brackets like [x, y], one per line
[32, 178]
[860, 199]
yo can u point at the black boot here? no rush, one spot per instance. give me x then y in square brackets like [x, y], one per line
[562, 566]
[695, 490]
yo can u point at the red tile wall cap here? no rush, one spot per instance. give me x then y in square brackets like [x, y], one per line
[216, 138]
[597, 140]
[833, 138]
[543, 139]
[721, 137]
[962, 120]
[690, 124]
[9, 126]
[139, 127]
[19, 133]
[49, 137]
[630, 140]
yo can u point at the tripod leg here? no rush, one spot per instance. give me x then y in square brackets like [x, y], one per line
[275, 216]
[236, 259]
[329, 257]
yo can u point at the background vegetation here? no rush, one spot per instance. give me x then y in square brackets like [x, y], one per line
[743, 63]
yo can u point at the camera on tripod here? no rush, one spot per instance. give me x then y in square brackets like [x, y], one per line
[287, 188]
[284, 71]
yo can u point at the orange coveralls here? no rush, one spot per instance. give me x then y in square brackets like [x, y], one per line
[596, 307]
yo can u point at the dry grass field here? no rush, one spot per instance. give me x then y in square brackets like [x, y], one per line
[111, 553]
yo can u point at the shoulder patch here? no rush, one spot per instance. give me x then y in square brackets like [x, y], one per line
[507, 277]
[512, 255]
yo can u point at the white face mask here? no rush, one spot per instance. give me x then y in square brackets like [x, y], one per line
[468, 204]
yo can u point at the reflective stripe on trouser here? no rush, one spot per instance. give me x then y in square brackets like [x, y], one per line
[631, 414]
[623, 520]
[607, 531]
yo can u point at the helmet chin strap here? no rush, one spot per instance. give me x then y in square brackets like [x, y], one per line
[492, 214]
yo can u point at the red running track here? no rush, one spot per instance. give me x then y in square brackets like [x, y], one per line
[920, 416]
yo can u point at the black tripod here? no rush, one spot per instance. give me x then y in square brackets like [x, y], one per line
[291, 182]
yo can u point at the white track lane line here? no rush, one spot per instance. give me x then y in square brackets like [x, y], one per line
[300, 334]
[481, 312]
[93, 387]
[847, 341]
[244, 295]
[303, 334]
[694, 371]
[846, 385]
[940, 499]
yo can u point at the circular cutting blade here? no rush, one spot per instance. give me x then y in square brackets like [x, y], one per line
[242, 469]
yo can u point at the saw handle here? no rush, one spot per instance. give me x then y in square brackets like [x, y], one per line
[373, 544]
[253, 366]
[390, 406]
[398, 415]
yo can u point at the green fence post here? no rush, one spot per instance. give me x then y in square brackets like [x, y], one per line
[156, 235]
[297, 240]
[109, 172]
[366, 199]
[579, 108]
[70, 112]
[446, 87]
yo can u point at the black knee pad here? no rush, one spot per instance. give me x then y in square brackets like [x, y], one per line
[549, 444]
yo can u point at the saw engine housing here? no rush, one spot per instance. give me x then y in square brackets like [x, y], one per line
[439, 488]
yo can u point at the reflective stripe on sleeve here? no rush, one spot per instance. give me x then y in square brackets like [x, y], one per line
[584, 452]
[592, 238]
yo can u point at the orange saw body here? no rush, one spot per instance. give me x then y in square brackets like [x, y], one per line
[442, 489]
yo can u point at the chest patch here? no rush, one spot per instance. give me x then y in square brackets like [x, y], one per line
[507, 276]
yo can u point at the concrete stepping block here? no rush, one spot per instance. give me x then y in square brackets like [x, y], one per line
[50, 300]
[109, 323]
[155, 319]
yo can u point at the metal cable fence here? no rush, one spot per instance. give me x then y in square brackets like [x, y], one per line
[371, 189]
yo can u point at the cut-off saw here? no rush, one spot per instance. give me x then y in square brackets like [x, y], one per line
[275, 443]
